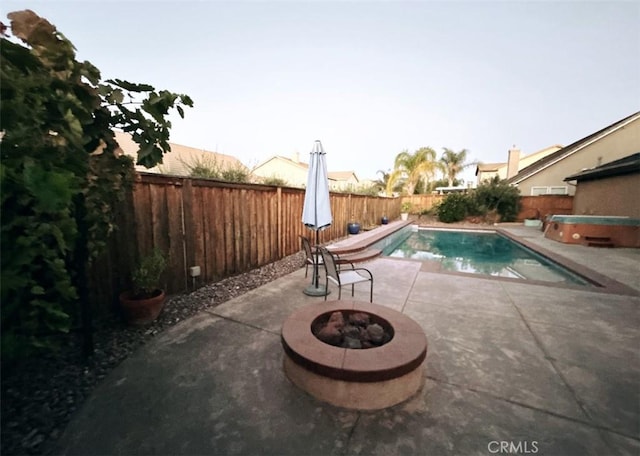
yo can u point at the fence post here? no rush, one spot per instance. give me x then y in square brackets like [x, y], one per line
[280, 234]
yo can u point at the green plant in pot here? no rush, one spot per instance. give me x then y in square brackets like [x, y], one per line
[405, 209]
[144, 302]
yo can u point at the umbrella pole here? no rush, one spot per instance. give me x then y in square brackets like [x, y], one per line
[317, 265]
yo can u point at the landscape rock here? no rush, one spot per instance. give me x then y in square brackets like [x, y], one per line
[359, 319]
[336, 319]
[330, 334]
[376, 333]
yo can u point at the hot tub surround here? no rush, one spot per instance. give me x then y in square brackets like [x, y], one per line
[594, 230]
[370, 379]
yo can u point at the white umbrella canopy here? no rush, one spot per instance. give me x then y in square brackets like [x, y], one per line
[316, 212]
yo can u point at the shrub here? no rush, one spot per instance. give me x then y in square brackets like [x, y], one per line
[453, 208]
[475, 207]
[497, 195]
[206, 168]
[236, 173]
[276, 181]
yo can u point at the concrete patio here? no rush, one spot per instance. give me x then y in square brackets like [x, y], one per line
[511, 367]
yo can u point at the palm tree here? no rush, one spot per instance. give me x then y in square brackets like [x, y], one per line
[381, 183]
[453, 163]
[389, 182]
[415, 167]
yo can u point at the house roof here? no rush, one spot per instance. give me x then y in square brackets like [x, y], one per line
[488, 167]
[493, 167]
[178, 160]
[626, 165]
[551, 159]
[288, 161]
[341, 175]
[332, 175]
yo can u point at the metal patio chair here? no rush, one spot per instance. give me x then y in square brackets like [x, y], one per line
[311, 255]
[344, 276]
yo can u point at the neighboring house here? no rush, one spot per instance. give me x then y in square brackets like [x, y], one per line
[343, 180]
[547, 176]
[487, 171]
[611, 189]
[180, 159]
[294, 173]
[290, 170]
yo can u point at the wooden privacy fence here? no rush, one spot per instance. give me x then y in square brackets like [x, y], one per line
[542, 205]
[530, 206]
[423, 202]
[224, 228]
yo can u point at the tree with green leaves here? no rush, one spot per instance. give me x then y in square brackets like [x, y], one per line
[62, 174]
[415, 167]
[389, 182]
[453, 163]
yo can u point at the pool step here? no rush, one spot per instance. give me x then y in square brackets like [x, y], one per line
[359, 257]
[596, 241]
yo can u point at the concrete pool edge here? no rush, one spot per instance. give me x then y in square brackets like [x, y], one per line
[358, 242]
[602, 283]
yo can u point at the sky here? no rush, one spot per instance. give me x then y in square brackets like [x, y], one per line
[368, 79]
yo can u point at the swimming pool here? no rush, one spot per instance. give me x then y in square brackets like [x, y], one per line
[476, 252]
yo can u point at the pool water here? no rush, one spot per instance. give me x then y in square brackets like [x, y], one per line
[478, 253]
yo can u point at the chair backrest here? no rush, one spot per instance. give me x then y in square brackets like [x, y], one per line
[307, 248]
[330, 264]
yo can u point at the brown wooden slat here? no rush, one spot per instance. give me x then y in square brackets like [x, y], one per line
[207, 209]
[217, 227]
[229, 257]
[176, 260]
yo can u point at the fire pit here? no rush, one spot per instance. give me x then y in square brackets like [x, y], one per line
[385, 372]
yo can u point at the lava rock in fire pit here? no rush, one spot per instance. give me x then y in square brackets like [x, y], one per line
[360, 332]
[330, 334]
[336, 319]
[359, 319]
[350, 342]
[375, 333]
[351, 331]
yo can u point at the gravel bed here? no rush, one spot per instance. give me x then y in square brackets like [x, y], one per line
[40, 396]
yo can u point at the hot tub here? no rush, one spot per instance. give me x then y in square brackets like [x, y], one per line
[594, 230]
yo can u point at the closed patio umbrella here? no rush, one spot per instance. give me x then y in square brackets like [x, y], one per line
[316, 212]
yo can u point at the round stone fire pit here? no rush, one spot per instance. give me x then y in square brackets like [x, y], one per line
[363, 379]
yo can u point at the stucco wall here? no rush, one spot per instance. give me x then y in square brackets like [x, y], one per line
[294, 175]
[613, 196]
[621, 143]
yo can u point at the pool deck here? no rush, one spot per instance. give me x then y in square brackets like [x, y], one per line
[510, 364]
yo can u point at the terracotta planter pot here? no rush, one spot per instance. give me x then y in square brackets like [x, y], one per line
[141, 311]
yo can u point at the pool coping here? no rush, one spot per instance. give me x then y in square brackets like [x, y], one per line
[361, 241]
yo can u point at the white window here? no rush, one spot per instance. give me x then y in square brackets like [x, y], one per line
[559, 190]
[552, 190]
